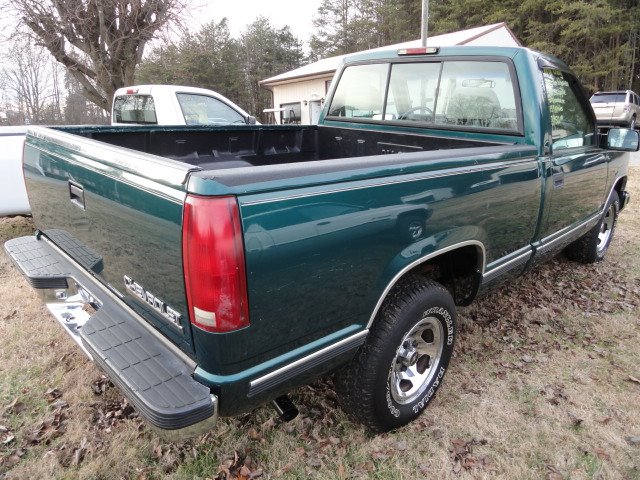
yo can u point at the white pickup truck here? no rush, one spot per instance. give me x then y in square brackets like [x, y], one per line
[175, 105]
[135, 105]
[13, 194]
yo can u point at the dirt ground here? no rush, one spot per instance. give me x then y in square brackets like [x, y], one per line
[545, 383]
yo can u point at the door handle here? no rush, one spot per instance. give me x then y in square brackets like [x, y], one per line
[558, 180]
[76, 194]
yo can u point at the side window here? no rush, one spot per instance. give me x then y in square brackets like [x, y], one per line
[360, 92]
[292, 113]
[412, 92]
[205, 110]
[570, 124]
[135, 109]
[477, 94]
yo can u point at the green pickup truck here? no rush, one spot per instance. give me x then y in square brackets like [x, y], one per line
[210, 270]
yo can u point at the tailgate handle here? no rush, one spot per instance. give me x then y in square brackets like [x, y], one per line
[76, 193]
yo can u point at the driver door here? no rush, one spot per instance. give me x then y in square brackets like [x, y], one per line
[576, 167]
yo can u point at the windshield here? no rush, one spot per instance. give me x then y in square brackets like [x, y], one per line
[204, 110]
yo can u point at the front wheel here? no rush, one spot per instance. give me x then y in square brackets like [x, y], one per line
[632, 124]
[593, 245]
[401, 365]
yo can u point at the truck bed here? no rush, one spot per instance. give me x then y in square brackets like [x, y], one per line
[216, 149]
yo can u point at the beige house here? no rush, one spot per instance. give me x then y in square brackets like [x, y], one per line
[298, 95]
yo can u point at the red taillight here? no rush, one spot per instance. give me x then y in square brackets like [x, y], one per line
[213, 257]
[132, 91]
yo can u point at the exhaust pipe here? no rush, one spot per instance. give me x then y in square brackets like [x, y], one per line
[285, 408]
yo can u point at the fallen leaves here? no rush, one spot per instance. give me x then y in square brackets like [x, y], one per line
[101, 384]
[633, 440]
[13, 458]
[110, 413]
[633, 379]
[42, 433]
[553, 474]
[51, 427]
[239, 467]
[52, 394]
[462, 456]
[15, 407]
[72, 455]
[576, 421]
[601, 453]
[169, 456]
[554, 393]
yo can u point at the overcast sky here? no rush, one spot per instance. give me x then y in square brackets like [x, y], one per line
[295, 13]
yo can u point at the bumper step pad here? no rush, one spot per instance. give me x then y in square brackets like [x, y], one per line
[41, 266]
[159, 385]
[153, 377]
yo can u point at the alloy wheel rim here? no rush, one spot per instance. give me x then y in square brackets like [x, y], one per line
[416, 360]
[606, 228]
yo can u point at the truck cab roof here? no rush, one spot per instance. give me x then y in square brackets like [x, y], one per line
[461, 50]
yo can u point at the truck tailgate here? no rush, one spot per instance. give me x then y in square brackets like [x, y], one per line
[118, 214]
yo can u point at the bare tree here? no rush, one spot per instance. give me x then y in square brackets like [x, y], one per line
[30, 80]
[99, 42]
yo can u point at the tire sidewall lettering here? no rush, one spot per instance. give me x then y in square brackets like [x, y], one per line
[390, 404]
[417, 406]
[443, 314]
[422, 403]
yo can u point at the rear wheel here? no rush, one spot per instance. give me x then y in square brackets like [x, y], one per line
[592, 247]
[632, 124]
[401, 366]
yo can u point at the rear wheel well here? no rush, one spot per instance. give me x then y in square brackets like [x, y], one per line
[459, 271]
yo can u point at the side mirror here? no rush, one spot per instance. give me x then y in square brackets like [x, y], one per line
[251, 120]
[623, 139]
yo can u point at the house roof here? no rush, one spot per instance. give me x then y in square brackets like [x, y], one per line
[327, 66]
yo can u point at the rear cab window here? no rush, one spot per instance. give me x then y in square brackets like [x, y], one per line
[138, 109]
[360, 92]
[471, 95]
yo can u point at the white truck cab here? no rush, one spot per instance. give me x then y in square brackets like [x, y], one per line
[175, 105]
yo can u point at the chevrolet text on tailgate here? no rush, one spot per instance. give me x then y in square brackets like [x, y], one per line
[227, 265]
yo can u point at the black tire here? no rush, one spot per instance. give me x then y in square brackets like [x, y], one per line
[593, 245]
[369, 387]
[632, 123]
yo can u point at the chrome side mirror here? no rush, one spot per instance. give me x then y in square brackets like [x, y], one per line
[623, 139]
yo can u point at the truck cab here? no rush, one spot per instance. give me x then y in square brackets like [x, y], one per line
[175, 105]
